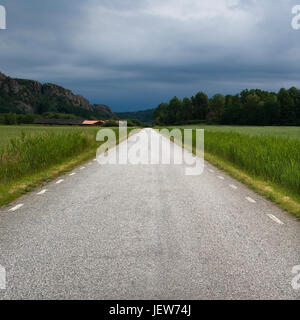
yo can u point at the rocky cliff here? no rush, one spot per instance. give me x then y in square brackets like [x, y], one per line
[28, 96]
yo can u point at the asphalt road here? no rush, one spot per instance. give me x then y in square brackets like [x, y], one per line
[147, 232]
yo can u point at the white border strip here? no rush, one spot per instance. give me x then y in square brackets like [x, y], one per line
[42, 192]
[17, 207]
[271, 216]
[250, 200]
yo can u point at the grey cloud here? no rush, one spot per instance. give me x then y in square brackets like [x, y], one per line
[133, 54]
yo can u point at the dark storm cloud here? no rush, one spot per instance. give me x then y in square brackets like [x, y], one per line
[133, 54]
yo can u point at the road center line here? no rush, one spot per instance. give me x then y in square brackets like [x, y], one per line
[17, 207]
[271, 216]
[42, 192]
[210, 170]
[72, 174]
[250, 200]
[82, 168]
[59, 181]
[233, 186]
[220, 177]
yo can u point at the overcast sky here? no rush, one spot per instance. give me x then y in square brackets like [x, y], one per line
[134, 54]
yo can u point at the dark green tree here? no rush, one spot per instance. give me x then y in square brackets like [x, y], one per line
[10, 118]
[287, 107]
[200, 106]
[216, 107]
[175, 110]
[160, 114]
[187, 109]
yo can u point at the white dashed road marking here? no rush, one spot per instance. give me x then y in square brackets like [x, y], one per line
[42, 192]
[72, 174]
[233, 186]
[17, 207]
[275, 219]
[250, 200]
[82, 168]
[59, 181]
[220, 177]
[210, 170]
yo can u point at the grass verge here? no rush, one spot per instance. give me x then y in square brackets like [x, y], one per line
[285, 200]
[33, 160]
[269, 165]
[15, 189]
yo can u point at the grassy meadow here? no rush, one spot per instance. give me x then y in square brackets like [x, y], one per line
[11, 132]
[265, 158]
[31, 155]
[292, 132]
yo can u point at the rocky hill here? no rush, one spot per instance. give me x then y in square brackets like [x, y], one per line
[28, 96]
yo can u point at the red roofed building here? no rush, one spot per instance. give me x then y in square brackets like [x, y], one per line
[92, 122]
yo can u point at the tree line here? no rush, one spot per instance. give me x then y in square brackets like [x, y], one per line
[249, 107]
[16, 119]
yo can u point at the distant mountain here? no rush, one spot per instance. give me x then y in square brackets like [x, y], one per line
[29, 96]
[145, 116]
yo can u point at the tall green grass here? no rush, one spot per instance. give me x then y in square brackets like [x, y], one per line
[36, 152]
[10, 132]
[272, 158]
[31, 153]
[291, 132]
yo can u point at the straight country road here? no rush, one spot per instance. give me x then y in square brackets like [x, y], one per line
[147, 232]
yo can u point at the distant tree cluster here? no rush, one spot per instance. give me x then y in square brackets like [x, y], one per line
[13, 118]
[250, 107]
[146, 116]
[17, 118]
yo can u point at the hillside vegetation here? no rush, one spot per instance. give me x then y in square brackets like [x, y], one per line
[22, 96]
[144, 116]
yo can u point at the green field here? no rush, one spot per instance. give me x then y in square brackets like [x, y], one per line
[265, 154]
[293, 132]
[9, 132]
[31, 155]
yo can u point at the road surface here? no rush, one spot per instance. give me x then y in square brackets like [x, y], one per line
[147, 232]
